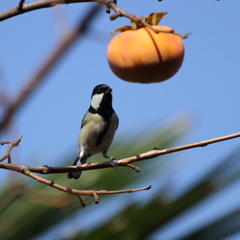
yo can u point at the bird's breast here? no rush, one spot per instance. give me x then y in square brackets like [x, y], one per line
[97, 133]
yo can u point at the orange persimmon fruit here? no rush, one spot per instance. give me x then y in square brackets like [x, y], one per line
[145, 56]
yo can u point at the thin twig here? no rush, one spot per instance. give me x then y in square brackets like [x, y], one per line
[36, 5]
[137, 169]
[96, 198]
[20, 5]
[10, 147]
[83, 204]
[156, 153]
[93, 193]
[141, 21]
[120, 12]
[108, 8]
[17, 10]
[122, 162]
[34, 81]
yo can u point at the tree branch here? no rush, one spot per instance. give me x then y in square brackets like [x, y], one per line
[34, 81]
[139, 20]
[20, 5]
[121, 163]
[155, 153]
[28, 171]
[24, 8]
[93, 193]
[11, 146]
[163, 31]
[36, 78]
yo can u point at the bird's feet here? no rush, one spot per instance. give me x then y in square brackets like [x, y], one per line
[115, 162]
[78, 173]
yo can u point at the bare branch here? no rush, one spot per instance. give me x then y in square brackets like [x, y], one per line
[96, 198]
[139, 20]
[121, 163]
[24, 8]
[34, 81]
[20, 5]
[120, 12]
[156, 153]
[137, 169]
[28, 171]
[83, 204]
[93, 193]
[11, 146]
[163, 31]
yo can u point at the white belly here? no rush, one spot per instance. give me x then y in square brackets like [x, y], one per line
[88, 137]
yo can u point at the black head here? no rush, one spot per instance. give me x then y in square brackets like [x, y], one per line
[101, 88]
[102, 98]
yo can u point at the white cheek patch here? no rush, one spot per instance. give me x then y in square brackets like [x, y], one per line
[96, 100]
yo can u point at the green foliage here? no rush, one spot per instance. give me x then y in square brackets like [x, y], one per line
[28, 210]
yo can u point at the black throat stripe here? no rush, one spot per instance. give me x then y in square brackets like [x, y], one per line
[106, 115]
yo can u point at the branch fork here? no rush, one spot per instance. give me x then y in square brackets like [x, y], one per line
[112, 4]
[11, 146]
[20, 6]
[28, 171]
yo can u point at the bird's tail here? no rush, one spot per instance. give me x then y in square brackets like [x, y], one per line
[78, 173]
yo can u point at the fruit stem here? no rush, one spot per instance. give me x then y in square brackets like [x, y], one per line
[142, 22]
[138, 20]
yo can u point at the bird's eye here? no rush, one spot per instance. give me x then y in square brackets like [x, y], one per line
[102, 90]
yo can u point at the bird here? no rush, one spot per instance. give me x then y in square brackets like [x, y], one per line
[98, 128]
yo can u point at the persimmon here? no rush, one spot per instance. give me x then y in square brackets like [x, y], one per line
[145, 56]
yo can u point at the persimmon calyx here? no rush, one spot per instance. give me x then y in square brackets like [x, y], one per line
[152, 19]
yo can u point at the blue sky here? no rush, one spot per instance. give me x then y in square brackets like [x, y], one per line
[206, 88]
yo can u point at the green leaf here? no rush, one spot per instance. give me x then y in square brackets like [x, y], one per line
[122, 29]
[155, 18]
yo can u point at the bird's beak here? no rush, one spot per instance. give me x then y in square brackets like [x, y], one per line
[109, 90]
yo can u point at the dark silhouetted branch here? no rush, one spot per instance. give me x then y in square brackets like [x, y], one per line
[48, 64]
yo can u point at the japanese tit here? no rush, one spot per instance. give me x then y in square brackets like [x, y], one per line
[97, 129]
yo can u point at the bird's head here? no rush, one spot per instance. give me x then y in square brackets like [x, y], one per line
[101, 97]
